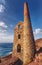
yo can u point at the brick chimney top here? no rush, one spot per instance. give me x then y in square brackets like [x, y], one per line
[26, 11]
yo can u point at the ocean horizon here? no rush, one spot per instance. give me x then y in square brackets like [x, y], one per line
[5, 49]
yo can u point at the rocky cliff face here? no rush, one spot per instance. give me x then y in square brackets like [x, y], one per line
[38, 56]
[39, 44]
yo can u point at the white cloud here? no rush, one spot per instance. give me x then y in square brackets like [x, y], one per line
[2, 8]
[5, 37]
[2, 24]
[38, 31]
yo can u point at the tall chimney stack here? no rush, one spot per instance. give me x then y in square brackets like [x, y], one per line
[26, 11]
[29, 43]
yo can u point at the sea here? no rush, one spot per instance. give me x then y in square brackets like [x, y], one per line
[5, 49]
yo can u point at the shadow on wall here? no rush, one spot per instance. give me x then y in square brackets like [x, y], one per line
[18, 62]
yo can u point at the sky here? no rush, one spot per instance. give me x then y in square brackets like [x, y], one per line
[12, 11]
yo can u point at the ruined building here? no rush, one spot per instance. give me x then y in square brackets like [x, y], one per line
[24, 44]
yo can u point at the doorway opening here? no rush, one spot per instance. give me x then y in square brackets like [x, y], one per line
[19, 48]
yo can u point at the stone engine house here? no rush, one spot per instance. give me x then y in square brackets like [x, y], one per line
[24, 44]
[18, 40]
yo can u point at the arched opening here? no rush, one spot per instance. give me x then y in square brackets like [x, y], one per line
[19, 36]
[18, 48]
[19, 26]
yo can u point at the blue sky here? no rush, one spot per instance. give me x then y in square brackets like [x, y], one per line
[12, 11]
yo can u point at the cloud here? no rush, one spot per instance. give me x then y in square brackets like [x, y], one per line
[2, 24]
[2, 8]
[38, 31]
[6, 39]
[5, 36]
[2, 1]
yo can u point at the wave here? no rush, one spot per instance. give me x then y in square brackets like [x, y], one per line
[9, 53]
[5, 49]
